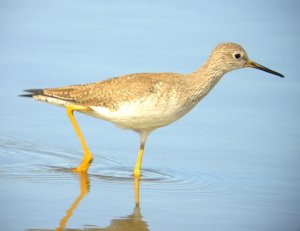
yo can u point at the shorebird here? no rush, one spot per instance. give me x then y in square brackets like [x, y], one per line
[144, 102]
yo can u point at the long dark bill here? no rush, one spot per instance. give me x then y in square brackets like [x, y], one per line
[252, 64]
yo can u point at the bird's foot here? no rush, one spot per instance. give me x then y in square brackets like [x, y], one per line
[83, 167]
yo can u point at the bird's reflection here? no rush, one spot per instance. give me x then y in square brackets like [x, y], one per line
[131, 222]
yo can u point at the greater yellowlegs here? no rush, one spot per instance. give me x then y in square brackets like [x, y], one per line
[145, 101]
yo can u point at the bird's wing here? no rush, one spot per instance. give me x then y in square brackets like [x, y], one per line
[110, 93]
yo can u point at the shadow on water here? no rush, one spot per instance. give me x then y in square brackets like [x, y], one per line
[129, 223]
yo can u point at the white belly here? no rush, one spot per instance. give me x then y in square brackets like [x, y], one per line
[144, 114]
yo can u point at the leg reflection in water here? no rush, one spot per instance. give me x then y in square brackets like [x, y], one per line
[84, 190]
[131, 222]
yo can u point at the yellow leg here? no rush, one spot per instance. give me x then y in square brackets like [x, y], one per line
[87, 155]
[143, 137]
[137, 169]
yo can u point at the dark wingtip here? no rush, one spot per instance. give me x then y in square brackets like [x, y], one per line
[35, 91]
[32, 92]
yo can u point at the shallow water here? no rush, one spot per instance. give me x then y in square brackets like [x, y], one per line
[40, 192]
[230, 164]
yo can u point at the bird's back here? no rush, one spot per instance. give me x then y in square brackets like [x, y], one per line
[115, 91]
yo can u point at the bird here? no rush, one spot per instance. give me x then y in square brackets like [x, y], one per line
[144, 102]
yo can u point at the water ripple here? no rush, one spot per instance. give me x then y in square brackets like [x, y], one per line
[24, 160]
[174, 181]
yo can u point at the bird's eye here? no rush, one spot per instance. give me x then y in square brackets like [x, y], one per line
[237, 56]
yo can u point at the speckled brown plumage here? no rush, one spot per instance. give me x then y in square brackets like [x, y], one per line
[146, 101]
[110, 93]
[164, 96]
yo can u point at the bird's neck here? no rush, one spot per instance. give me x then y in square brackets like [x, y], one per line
[205, 78]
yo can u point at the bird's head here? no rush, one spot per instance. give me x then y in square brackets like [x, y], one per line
[231, 56]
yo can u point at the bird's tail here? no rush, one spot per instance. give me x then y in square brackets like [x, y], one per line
[32, 92]
[41, 95]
